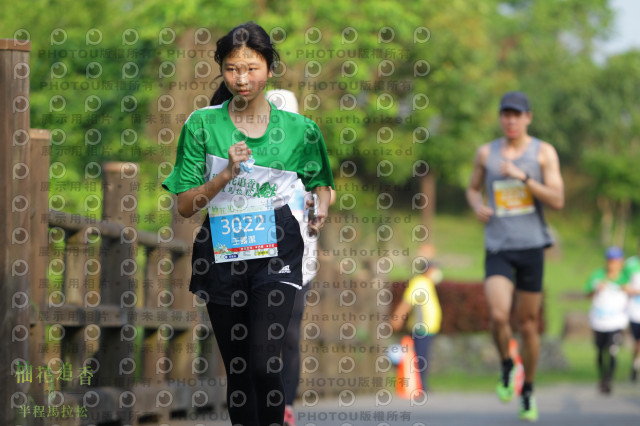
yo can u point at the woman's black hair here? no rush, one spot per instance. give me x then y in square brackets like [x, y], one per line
[250, 35]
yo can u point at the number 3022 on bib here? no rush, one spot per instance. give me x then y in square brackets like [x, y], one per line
[243, 232]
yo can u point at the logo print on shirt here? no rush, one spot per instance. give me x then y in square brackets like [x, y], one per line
[285, 270]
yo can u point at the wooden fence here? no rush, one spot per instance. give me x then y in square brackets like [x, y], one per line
[103, 305]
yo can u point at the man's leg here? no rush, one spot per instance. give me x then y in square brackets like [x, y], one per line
[635, 367]
[527, 313]
[499, 293]
[614, 344]
[599, 339]
[635, 359]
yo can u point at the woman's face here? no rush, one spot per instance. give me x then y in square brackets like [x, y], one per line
[245, 73]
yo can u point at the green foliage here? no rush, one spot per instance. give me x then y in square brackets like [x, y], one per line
[420, 82]
[614, 147]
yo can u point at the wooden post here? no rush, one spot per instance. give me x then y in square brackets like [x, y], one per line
[181, 357]
[153, 349]
[76, 257]
[120, 185]
[183, 229]
[213, 377]
[118, 283]
[74, 346]
[15, 229]
[38, 208]
[428, 188]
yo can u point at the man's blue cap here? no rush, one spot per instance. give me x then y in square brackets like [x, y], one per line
[614, 253]
[517, 101]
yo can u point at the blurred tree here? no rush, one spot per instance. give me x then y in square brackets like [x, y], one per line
[397, 89]
[611, 147]
[548, 47]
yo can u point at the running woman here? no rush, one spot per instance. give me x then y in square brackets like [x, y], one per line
[240, 158]
[518, 174]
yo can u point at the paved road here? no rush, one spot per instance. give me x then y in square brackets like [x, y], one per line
[559, 405]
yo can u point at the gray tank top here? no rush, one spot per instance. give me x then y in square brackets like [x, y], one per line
[518, 220]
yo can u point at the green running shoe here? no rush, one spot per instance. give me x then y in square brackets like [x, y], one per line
[528, 410]
[506, 393]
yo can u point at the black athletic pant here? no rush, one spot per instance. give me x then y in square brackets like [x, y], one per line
[250, 341]
[608, 344]
[291, 349]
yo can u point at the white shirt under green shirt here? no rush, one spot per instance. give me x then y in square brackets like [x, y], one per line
[632, 265]
[609, 305]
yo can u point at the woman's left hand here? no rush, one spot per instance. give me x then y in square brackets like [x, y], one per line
[316, 222]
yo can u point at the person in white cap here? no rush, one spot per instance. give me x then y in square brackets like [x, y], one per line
[299, 204]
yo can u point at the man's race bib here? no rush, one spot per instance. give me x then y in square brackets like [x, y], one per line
[512, 198]
[243, 229]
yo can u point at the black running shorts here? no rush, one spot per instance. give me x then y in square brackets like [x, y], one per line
[524, 268]
[605, 339]
[635, 330]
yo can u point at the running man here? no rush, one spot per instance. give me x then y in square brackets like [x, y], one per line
[518, 174]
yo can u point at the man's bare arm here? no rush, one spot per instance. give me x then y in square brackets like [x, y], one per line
[476, 183]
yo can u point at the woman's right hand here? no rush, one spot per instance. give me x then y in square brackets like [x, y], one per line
[238, 153]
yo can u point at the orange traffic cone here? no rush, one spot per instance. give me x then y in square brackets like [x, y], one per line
[517, 364]
[408, 375]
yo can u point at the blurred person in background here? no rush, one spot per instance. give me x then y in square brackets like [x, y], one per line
[300, 202]
[419, 311]
[633, 267]
[608, 315]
